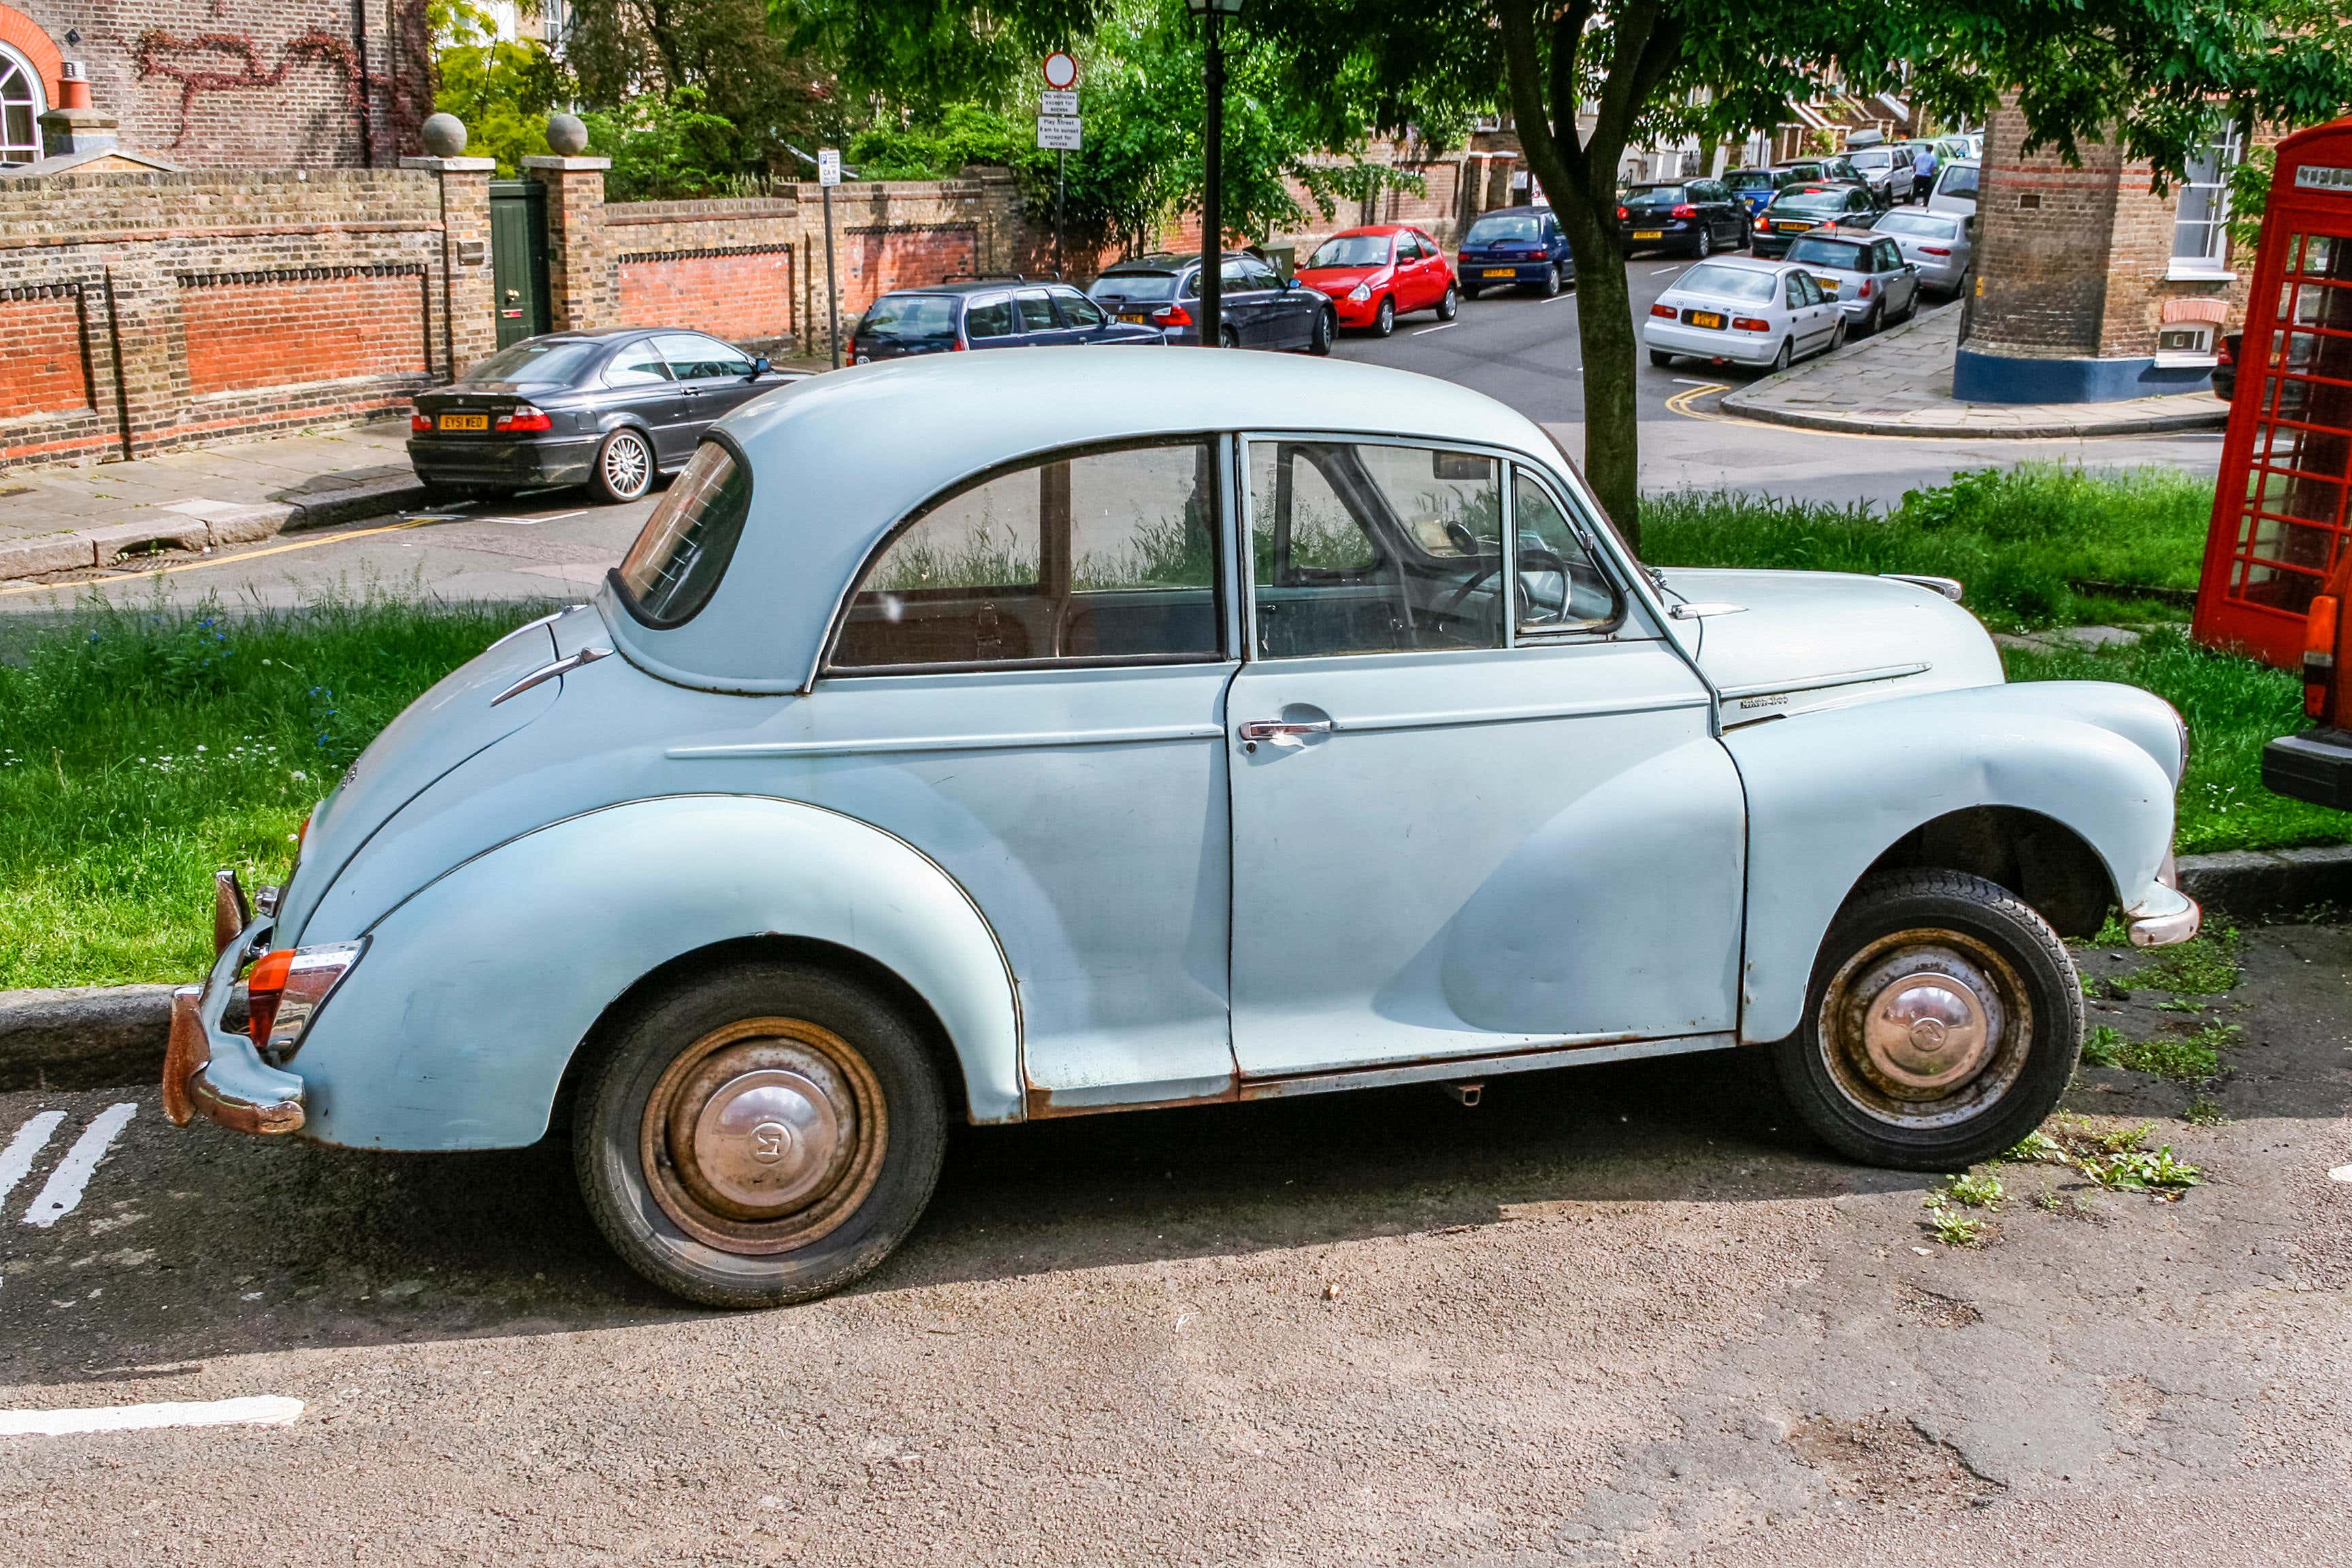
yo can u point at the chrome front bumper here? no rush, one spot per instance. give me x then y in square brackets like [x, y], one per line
[217, 1072]
[2166, 915]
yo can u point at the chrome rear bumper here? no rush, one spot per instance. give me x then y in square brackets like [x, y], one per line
[215, 1072]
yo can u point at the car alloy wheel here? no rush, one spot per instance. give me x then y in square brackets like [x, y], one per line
[1326, 326]
[1871, 322]
[1551, 283]
[1449, 304]
[1837, 336]
[1384, 319]
[624, 467]
[1705, 246]
[1229, 338]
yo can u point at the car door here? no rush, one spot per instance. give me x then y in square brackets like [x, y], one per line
[1416, 285]
[1086, 322]
[1897, 277]
[1715, 203]
[1822, 313]
[1455, 835]
[990, 322]
[1556, 245]
[640, 388]
[1438, 271]
[715, 379]
[1247, 311]
[1040, 325]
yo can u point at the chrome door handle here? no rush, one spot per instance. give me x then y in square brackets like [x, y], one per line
[1279, 730]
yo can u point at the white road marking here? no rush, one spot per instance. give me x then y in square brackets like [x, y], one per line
[1655, 270]
[1441, 327]
[1685, 381]
[534, 521]
[2341, 1174]
[1556, 299]
[259, 1410]
[62, 1195]
[16, 1159]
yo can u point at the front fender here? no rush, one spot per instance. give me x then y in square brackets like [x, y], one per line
[453, 1031]
[1829, 792]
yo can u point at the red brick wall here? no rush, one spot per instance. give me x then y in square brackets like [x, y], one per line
[242, 334]
[873, 260]
[742, 292]
[2043, 234]
[41, 369]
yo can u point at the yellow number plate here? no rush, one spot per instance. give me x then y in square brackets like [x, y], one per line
[1793, 227]
[1501, 272]
[465, 421]
[1706, 318]
[1137, 317]
[1829, 286]
[1649, 233]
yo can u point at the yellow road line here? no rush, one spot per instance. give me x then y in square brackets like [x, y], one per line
[220, 560]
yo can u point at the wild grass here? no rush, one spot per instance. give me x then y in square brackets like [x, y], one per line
[142, 749]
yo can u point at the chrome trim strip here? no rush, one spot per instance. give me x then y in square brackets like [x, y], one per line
[548, 619]
[1141, 736]
[545, 672]
[1822, 683]
[1449, 1067]
[1460, 718]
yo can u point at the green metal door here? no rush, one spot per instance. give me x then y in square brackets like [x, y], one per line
[519, 257]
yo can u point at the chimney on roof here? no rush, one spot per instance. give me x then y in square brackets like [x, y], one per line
[74, 126]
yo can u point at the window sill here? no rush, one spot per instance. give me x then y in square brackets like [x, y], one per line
[2189, 269]
[2187, 361]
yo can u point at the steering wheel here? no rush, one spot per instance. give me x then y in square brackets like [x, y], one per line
[1542, 560]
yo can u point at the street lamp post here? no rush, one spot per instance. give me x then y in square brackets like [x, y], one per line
[1213, 13]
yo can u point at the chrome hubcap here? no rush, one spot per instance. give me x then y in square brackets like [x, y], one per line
[1927, 1031]
[765, 1139]
[1925, 1028]
[624, 464]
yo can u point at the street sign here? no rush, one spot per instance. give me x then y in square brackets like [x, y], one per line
[1059, 102]
[1061, 72]
[1057, 132]
[828, 166]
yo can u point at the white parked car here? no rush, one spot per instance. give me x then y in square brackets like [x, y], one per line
[1955, 190]
[1735, 310]
[1940, 245]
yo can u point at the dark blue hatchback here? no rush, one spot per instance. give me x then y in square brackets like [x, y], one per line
[992, 313]
[1515, 248]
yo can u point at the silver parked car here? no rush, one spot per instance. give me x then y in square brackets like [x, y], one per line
[1888, 174]
[1956, 188]
[1864, 272]
[1939, 245]
[1734, 310]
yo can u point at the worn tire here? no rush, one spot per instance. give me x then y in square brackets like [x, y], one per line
[625, 465]
[2028, 1004]
[1549, 287]
[1781, 360]
[874, 1168]
[1326, 327]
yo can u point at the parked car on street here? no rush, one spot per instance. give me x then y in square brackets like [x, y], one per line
[2225, 366]
[1955, 190]
[1261, 309]
[1887, 176]
[1827, 171]
[1754, 187]
[985, 313]
[2315, 764]
[1940, 245]
[1865, 272]
[1375, 274]
[1700, 217]
[613, 410]
[998, 737]
[1515, 246]
[1738, 310]
[1800, 209]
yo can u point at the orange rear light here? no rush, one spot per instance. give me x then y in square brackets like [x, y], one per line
[1751, 324]
[2319, 633]
[524, 418]
[419, 423]
[1666, 311]
[1172, 316]
[262, 989]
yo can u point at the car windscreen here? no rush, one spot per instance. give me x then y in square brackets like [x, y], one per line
[903, 317]
[1918, 226]
[1871, 158]
[1655, 196]
[559, 362]
[1751, 180]
[1352, 250]
[1503, 227]
[1727, 282]
[1830, 253]
[1959, 180]
[1135, 286]
[682, 552]
[1804, 201]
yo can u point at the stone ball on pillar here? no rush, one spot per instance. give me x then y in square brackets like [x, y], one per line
[444, 135]
[566, 136]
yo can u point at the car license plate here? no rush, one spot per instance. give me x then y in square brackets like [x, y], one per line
[1649, 233]
[1706, 318]
[1138, 316]
[1829, 286]
[1500, 272]
[465, 421]
[1793, 227]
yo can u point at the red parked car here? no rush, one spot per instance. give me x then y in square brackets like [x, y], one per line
[1377, 273]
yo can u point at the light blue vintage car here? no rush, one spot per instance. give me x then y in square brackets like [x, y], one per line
[1021, 735]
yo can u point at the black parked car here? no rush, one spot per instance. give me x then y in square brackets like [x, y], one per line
[2225, 366]
[1800, 209]
[611, 409]
[985, 313]
[1701, 216]
[1261, 309]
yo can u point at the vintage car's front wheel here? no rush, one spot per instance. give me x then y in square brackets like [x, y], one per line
[1944, 1022]
[760, 1136]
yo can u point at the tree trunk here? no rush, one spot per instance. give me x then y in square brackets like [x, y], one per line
[1604, 320]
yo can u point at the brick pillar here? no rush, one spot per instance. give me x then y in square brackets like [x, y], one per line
[581, 292]
[144, 338]
[468, 301]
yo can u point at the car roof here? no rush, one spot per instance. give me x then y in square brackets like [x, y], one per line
[972, 285]
[1376, 228]
[1750, 264]
[834, 469]
[1525, 210]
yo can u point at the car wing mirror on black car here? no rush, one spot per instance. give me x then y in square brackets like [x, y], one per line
[759, 367]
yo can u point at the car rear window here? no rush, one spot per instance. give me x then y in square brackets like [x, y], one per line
[561, 361]
[1918, 226]
[1728, 282]
[910, 316]
[1810, 201]
[1655, 196]
[1829, 253]
[1511, 225]
[683, 550]
[1135, 286]
[1959, 180]
[1751, 180]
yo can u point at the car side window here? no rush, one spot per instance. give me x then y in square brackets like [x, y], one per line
[1890, 258]
[693, 357]
[1362, 547]
[1036, 311]
[1236, 277]
[1560, 587]
[639, 364]
[1103, 554]
[1796, 293]
[1193, 284]
[1812, 289]
[1078, 310]
[989, 318]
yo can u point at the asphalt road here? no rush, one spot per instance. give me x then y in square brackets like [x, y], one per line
[1613, 1314]
[1515, 347]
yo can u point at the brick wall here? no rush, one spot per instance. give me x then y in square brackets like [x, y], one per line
[244, 330]
[252, 83]
[41, 341]
[2043, 241]
[742, 292]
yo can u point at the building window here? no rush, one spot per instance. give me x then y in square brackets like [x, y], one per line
[20, 109]
[2200, 224]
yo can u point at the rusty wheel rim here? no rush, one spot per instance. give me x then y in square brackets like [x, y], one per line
[764, 1136]
[1925, 1028]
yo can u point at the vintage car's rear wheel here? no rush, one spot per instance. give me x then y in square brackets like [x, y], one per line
[1944, 1022]
[761, 1136]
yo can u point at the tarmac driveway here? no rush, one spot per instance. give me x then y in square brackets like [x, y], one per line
[1616, 1313]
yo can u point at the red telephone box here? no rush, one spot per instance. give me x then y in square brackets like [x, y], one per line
[2279, 522]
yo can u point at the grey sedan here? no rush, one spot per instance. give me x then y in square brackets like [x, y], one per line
[1865, 272]
[1938, 244]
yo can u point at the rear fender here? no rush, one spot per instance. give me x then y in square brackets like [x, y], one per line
[455, 1030]
[1829, 792]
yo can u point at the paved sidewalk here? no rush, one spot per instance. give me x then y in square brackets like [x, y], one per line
[1899, 382]
[65, 520]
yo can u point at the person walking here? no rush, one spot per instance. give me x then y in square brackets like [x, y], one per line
[1922, 171]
